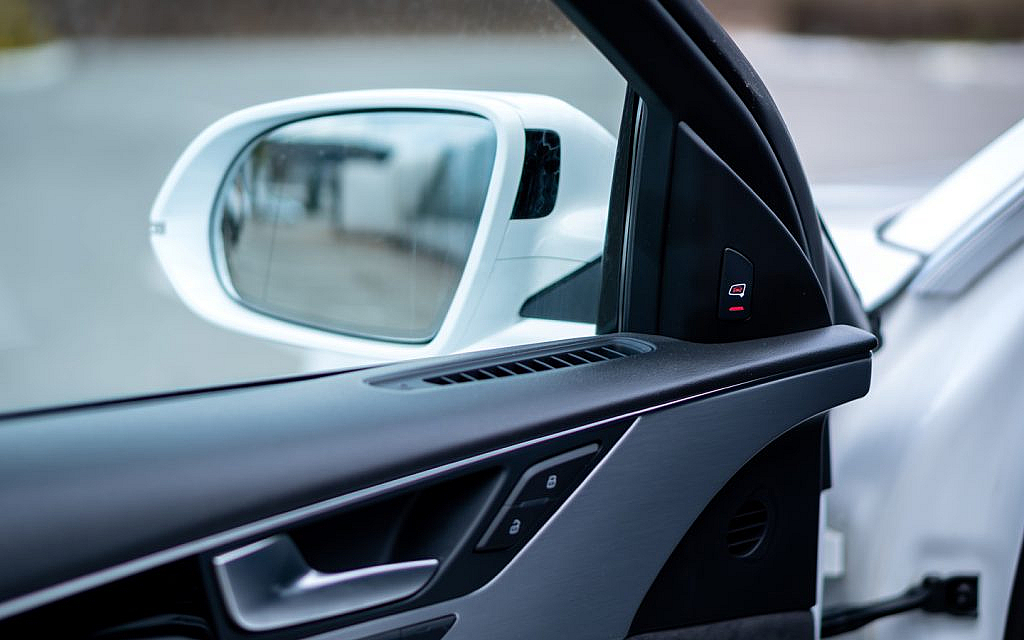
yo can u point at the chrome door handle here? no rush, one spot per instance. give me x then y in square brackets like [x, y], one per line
[268, 585]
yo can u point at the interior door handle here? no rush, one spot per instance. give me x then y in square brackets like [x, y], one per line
[268, 585]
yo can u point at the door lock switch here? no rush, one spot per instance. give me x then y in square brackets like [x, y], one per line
[735, 287]
[535, 496]
[553, 477]
[513, 525]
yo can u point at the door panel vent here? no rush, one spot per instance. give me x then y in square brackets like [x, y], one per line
[523, 361]
[747, 529]
[537, 364]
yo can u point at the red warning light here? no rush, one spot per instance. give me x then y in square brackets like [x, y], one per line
[735, 308]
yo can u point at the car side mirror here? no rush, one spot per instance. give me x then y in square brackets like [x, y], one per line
[385, 224]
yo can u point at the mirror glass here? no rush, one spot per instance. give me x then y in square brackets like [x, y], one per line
[358, 223]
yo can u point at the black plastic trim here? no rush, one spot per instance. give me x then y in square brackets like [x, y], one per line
[791, 625]
[542, 167]
[787, 296]
[573, 298]
[609, 303]
[704, 581]
[646, 220]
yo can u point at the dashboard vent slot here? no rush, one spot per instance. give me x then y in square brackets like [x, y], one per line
[537, 364]
[747, 529]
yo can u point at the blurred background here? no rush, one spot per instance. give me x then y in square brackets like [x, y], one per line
[99, 97]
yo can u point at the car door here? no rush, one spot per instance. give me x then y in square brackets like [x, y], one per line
[661, 479]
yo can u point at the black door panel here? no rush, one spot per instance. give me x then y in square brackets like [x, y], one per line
[98, 493]
[753, 551]
[585, 574]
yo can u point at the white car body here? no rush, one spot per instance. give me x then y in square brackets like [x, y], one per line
[927, 477]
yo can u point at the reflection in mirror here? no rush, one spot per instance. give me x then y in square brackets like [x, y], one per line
[359, 223]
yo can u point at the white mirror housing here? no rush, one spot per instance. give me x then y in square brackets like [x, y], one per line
[509, 261]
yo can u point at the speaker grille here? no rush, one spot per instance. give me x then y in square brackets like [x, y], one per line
[747, 529]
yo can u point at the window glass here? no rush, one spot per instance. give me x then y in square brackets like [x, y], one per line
[97, 101]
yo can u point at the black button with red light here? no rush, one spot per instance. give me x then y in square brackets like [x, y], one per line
[736, 286]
